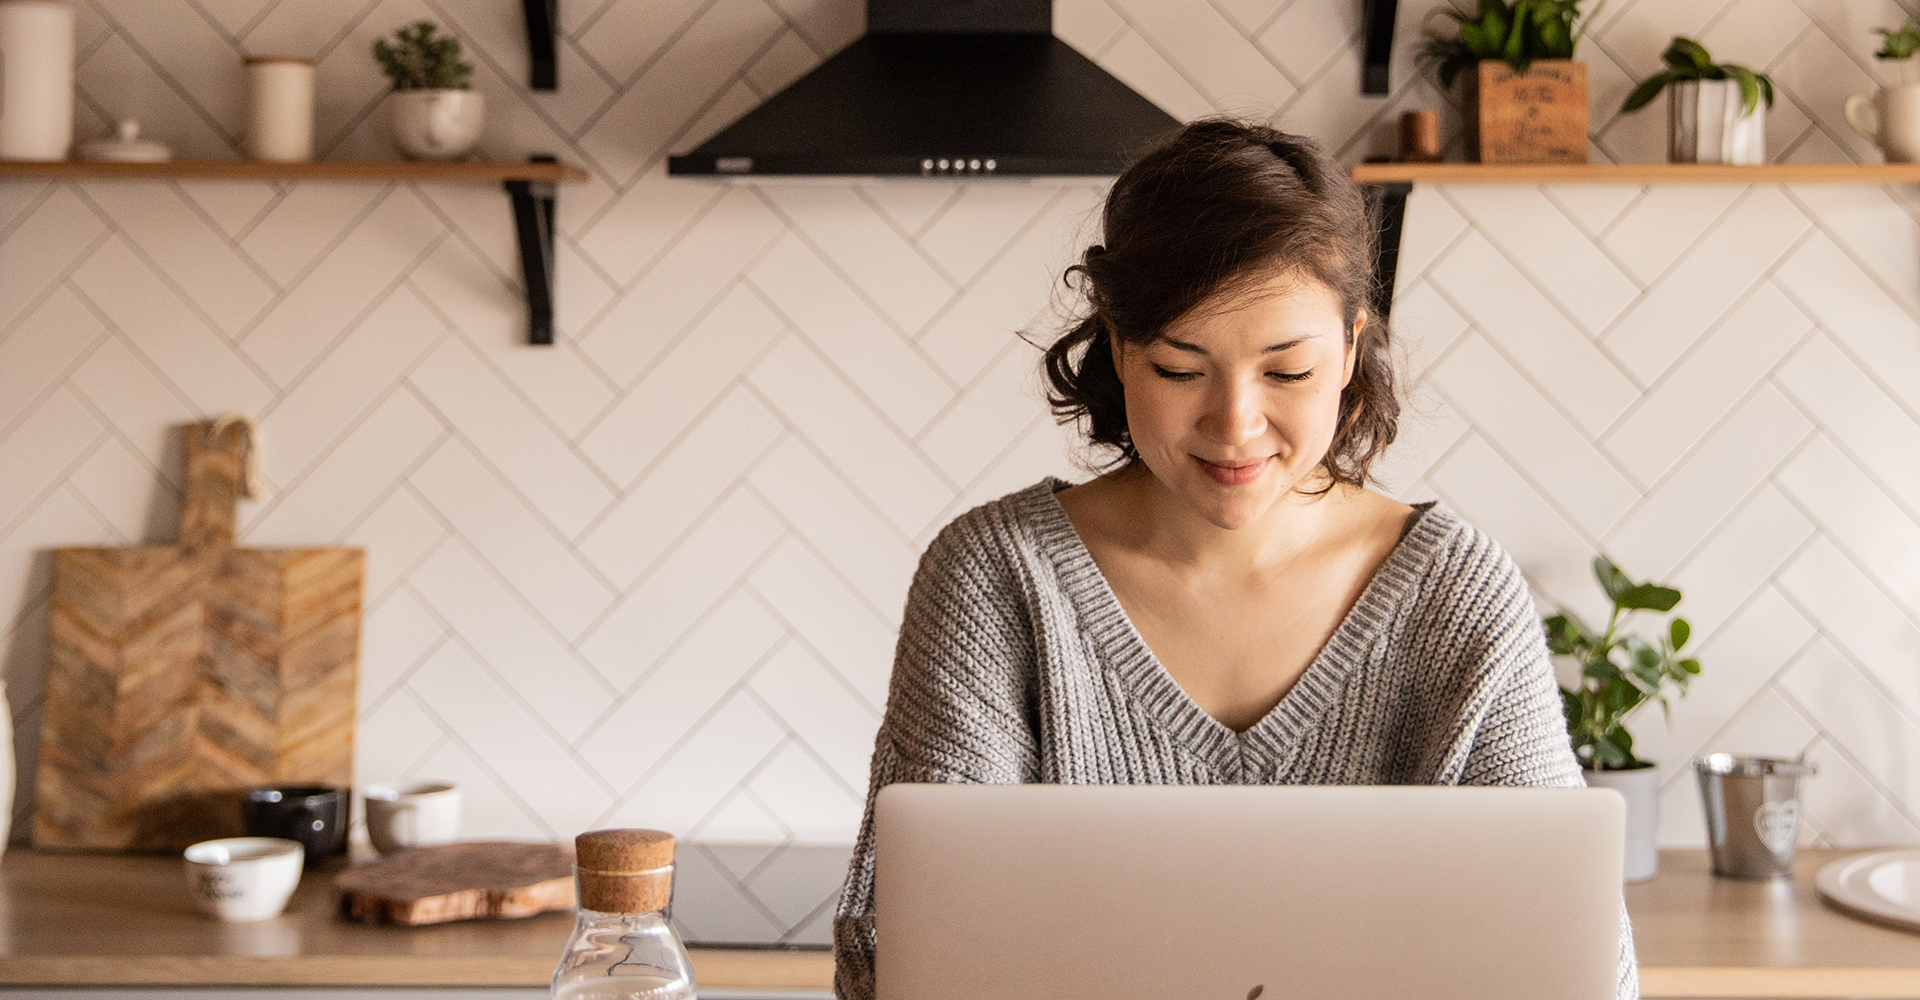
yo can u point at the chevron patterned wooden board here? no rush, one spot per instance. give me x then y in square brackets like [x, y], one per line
[182, 674]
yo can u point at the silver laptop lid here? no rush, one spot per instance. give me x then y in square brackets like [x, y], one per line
[1229, 892]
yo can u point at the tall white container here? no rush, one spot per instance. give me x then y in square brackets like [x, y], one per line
[36, 80]
[280, 109]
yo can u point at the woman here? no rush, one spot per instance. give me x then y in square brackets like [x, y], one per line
[1229, 604]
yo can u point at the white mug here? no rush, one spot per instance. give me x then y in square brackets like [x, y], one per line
[1890, 117]
[244, 878]
[36, 80]
[420, 814]
[280, 109]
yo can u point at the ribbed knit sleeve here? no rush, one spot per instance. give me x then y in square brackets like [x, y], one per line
[957, 706]
[1521, 739]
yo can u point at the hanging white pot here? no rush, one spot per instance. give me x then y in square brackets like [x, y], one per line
[1705, 124]
[436, 124]
[1640, 786]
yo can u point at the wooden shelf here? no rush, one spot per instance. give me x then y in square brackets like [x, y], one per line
[1637, 173]
[371, 171]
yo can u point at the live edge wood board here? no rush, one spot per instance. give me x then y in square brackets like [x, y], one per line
[181, 674]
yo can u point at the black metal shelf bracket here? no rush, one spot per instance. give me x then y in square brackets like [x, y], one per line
[543, 21]
[1387, 205]
[533, 204]
[1379, 50]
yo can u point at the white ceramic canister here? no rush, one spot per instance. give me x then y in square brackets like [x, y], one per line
[1890, 117]
[280, 109]
[36, 80]
[7, 765]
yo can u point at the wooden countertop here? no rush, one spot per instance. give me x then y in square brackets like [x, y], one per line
[69, 919]
[1699, 936]
[118, 920]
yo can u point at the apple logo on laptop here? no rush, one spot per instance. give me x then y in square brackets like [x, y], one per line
[1254, 994]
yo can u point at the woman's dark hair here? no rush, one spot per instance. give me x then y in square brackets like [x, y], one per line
[1216, 210]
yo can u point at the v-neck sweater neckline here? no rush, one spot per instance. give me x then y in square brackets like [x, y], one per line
[1277, 734]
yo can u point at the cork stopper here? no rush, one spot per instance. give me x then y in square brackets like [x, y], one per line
[624, 871]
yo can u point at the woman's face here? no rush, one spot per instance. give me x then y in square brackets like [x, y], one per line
[1236, 403]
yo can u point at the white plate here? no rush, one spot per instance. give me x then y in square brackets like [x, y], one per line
[1883, 886]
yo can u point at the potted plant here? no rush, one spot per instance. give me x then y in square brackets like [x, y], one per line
[1716, 112]
[1890, 116]
[1897, 46]
[1527, 97]
[1620, 671]
[433, 114]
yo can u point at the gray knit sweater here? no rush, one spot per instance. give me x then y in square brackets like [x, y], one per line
[1016, 664]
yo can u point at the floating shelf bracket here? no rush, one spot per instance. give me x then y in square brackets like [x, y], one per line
[1387, 205]
[533, 204]
[543, 22]
[1379, 52]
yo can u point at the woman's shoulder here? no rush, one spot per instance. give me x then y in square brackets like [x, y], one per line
[1465, 575]
[1018, 524]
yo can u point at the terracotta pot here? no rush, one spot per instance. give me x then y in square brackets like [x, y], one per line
[1539, 116]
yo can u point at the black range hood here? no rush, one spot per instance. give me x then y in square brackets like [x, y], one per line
[942, 88]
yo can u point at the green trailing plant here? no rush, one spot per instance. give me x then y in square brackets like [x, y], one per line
[419, 58]
[1687, 59]
[1901, 42]
[1619, 671]
[1516, 32]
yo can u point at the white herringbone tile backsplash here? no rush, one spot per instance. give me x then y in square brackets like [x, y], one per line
[651, 575]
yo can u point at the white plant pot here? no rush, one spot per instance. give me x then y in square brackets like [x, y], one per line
[1641, 788]
[1705, 124]
[436, 124]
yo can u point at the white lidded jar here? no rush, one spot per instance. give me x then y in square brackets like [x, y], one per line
[36, 80]
[280, 109]
[622, 947]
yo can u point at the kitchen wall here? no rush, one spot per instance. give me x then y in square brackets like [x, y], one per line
[651, 575]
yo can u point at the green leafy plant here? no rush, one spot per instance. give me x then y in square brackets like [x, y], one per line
[1900, 43]
[1515, 32]
[418, 58]
[1687, 59]
[1619, 671]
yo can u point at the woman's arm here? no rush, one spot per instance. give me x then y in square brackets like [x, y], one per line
[957, 706]
[1522, 737]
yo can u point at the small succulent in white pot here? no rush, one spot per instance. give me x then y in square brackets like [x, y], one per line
[1716, 112]
[1619, 672]
[433, 114]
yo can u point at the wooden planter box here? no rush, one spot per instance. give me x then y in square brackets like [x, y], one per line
[1539, 116]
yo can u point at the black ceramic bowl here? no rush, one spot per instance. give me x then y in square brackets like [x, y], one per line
[314, 815]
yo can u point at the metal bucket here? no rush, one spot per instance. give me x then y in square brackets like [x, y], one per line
[1753, 812]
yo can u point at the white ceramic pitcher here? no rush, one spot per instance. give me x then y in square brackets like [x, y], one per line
[36, 80]
[1890, 117]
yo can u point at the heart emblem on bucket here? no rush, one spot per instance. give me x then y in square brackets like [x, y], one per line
[1776, 822]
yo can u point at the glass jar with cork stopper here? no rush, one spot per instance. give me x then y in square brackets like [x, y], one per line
[622, 947]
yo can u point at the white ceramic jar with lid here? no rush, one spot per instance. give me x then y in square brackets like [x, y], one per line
[280, 109]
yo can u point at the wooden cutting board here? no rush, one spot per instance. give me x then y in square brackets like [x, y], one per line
[181, 674]
[434, 885]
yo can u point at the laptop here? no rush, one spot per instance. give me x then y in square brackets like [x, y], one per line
[1246, 892]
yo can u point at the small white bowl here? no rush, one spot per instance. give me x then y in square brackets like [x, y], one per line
[242, 879]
